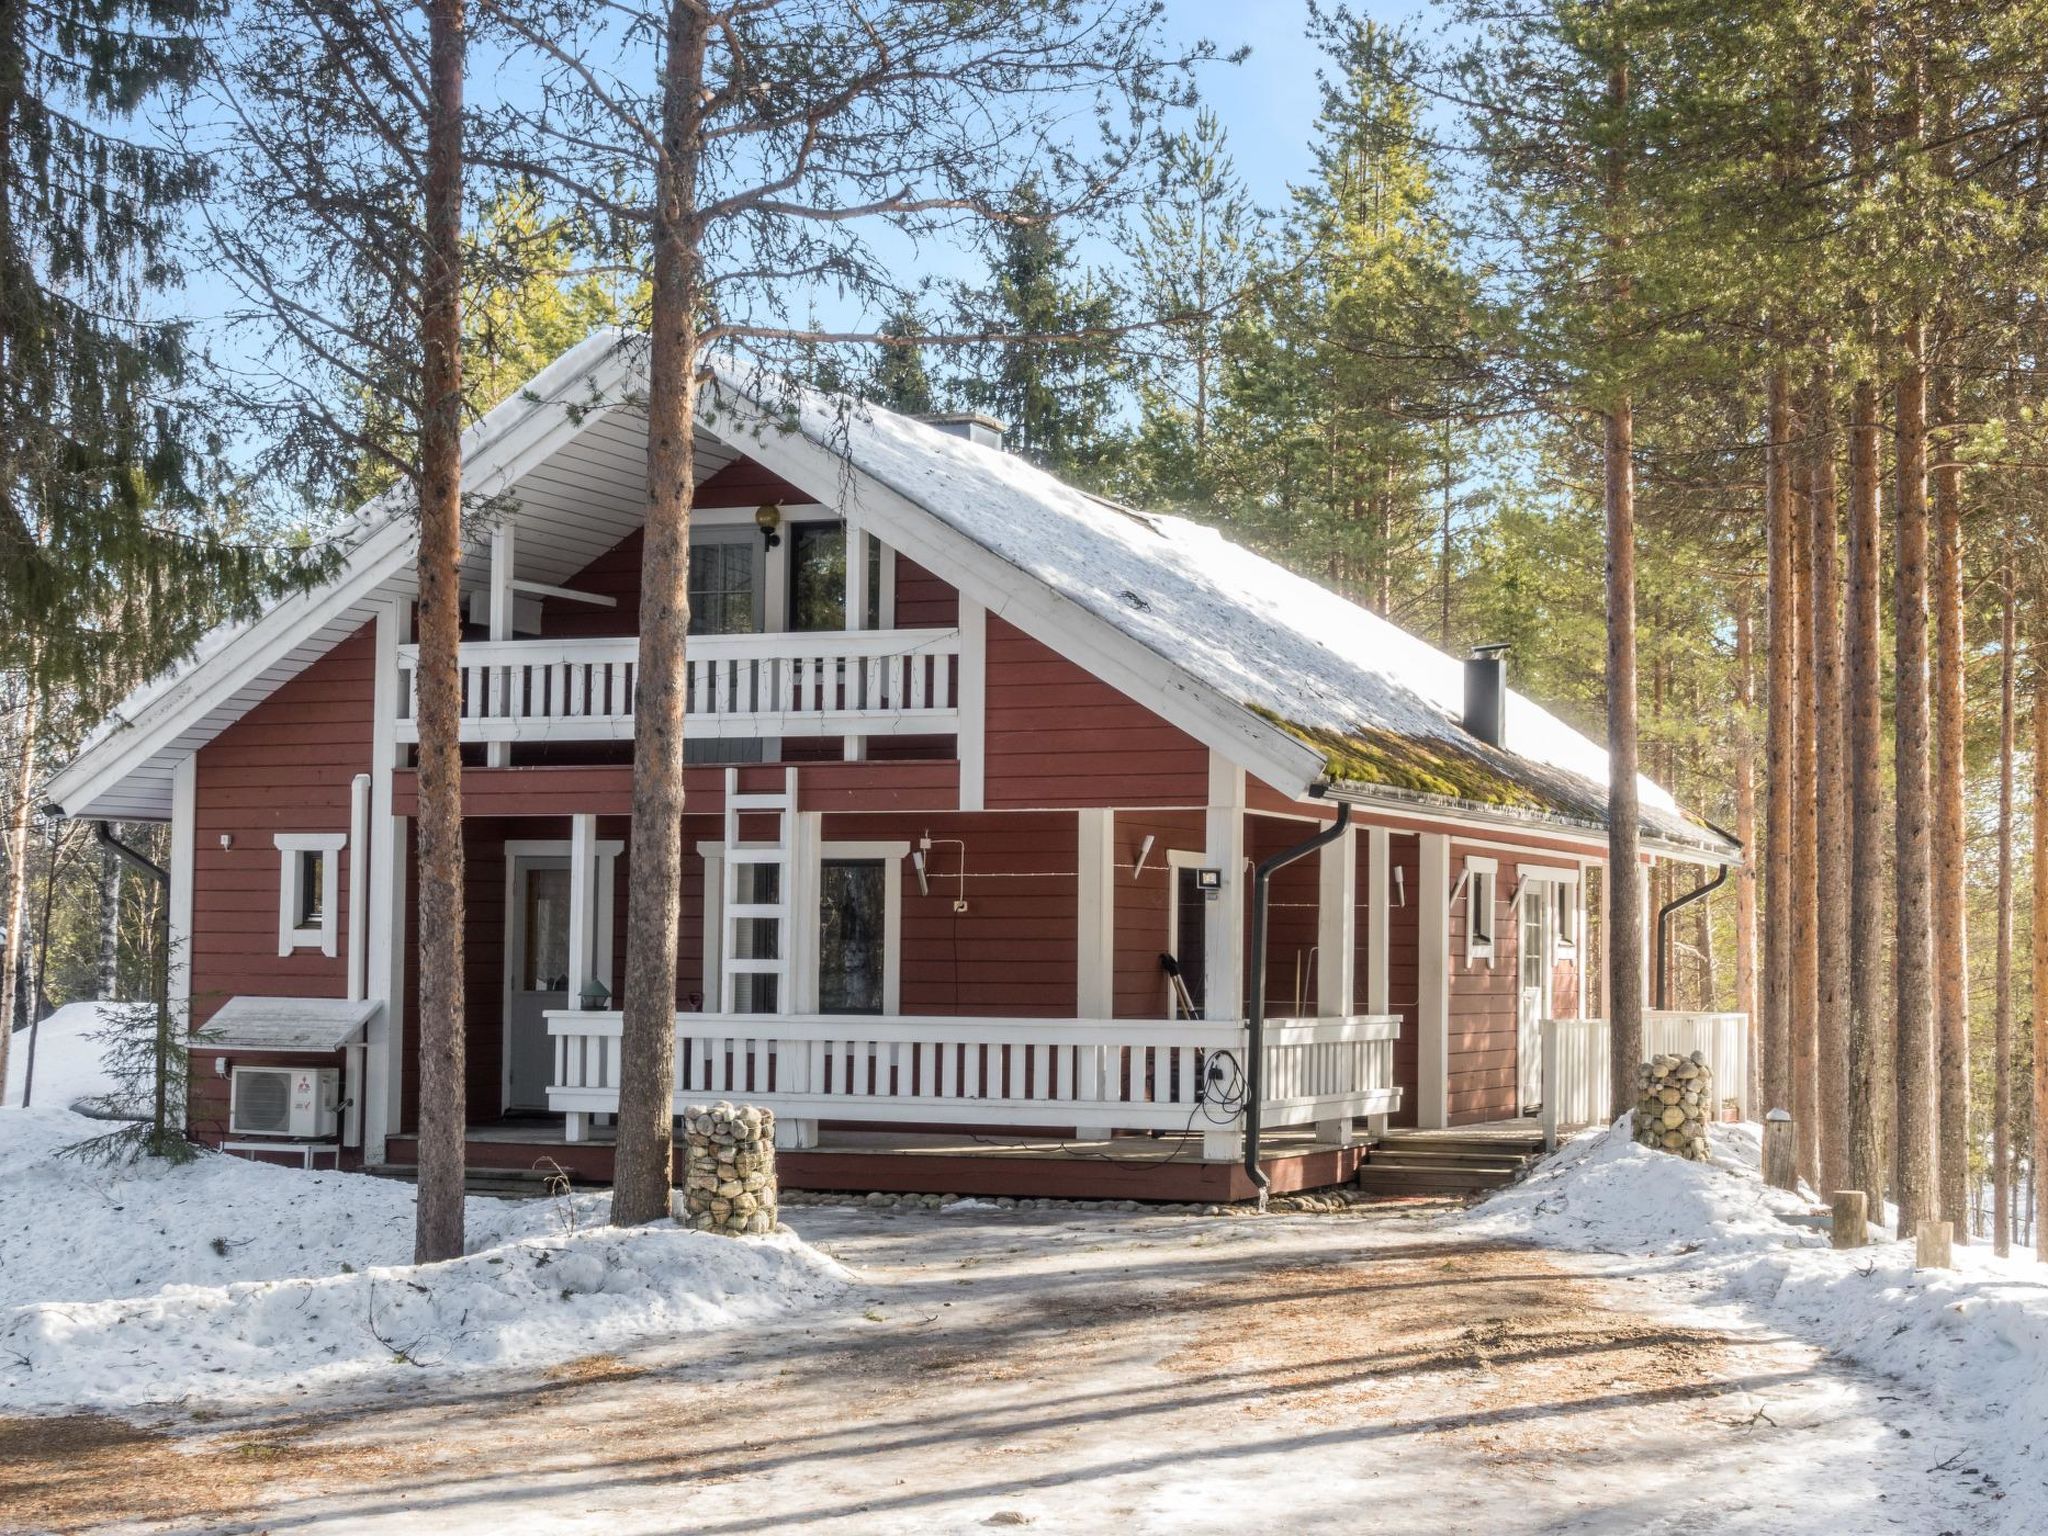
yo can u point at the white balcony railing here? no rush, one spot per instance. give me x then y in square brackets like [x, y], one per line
[1094, 1075]
[1575, 1087]
[823, 683]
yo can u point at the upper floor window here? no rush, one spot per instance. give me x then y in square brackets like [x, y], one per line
[725, 583]
[817, 576]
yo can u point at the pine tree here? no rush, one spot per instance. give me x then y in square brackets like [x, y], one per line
[1052, 378]
[899, 379]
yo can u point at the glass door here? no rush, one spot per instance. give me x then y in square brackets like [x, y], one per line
[852, 935]
[1535, 962]
[539, 959]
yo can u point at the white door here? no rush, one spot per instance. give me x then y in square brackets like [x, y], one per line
[1536, 961]
[538, 956]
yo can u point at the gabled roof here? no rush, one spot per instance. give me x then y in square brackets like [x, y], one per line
[1305, 688]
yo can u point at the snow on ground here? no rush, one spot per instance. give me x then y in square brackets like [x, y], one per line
[67, 1059]
[1973, 1340]
[230, 1279]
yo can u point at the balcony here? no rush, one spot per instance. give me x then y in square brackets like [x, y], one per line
[826, 683]
[1093, 1075]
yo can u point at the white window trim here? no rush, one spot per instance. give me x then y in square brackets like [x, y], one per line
[323, 935]
[1482, 879]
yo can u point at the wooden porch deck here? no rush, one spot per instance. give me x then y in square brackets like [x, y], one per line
[1165, 1168]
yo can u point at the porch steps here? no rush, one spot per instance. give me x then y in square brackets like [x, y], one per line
[503, 1183]
[1448, 1163]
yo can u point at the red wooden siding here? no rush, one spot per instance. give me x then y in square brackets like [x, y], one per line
[1059, 736]
[285, 766]
[743, 483]
[922, 600]
[1291, 912]
[1144, 908]
[1484, 1004]
[1013, 953]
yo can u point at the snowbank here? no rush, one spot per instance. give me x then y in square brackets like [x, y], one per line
[228, 1279]
[68, 1065]
[1973, 1339]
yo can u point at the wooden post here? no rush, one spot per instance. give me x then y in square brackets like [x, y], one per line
[1781, 1154]
[1851, 1218]
[1931, 1245]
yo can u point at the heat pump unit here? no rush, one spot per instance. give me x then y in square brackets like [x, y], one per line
[284, 1101]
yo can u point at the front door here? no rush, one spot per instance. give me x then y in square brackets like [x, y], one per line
[1537, 935]
[538, 953]
[852, 936]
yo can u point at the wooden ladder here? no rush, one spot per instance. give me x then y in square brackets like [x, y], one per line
[755, 858]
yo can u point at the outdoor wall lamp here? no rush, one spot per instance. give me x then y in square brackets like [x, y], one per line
[768, 518]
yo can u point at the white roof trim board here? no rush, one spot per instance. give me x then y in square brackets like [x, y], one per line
[313, 1024]
[1284, 677]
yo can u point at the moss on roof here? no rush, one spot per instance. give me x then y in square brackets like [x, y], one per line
[1365, 755]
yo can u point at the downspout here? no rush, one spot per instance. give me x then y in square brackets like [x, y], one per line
[1255, 1015]
[1664, 915]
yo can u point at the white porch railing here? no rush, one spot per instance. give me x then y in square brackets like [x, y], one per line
[814, 683]
[1575, 1085]
[1095, 1075]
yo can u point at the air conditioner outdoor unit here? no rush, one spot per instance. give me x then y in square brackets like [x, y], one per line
[284, 1101]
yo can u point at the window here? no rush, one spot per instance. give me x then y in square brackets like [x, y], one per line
[852, 935]
[817, 576]
[309, 878]
[725, 585]
[1481, 876]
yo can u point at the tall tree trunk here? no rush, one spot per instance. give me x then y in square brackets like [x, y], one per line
[14, 903]
[2040, 708]
[106, 985]
[1745, 832]
[1780, 748]
[443, 1103]
[1914, 1058]
[1870, 1039]
[1624, 936]
[2001, 1044]
[1805, 1019]
[1949, 847]
[643, 1168]
[1831, 802]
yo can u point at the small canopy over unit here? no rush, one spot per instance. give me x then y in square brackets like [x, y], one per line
[317, 1024]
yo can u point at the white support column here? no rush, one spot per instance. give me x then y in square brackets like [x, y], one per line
[358, 884]
[1223, 932]
[498, 754]
[582, 908]
[1378, 918]
[856, 573]
[1223, 927]
[1095, 919]
[856, 604]
[184, 844]
[973, 704]
[1433, 999]
[1337, 926]
[384, 928]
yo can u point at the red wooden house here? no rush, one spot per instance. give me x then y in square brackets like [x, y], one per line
[973, 752]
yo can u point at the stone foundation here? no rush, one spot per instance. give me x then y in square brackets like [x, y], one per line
[1674, 1101]
[729, 1169]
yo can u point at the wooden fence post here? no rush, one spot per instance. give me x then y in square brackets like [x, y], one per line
[1851, 1218]
[1781, 1165]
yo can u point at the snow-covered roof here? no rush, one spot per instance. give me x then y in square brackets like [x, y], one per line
[1382, 707]
[317, 1024]
[1270, 654]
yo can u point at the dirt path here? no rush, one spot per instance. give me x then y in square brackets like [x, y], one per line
[1079, 1373]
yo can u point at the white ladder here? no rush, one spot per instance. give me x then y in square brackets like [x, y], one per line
[753, 857]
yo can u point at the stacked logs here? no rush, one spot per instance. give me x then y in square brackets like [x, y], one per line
[1674, 1101]
[729, 1169]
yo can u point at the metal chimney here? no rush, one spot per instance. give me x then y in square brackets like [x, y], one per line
[972, 425]
[1486, 693]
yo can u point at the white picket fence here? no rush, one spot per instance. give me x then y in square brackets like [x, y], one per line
[822, 683]
[1094, 1075]
[1575, 1087]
